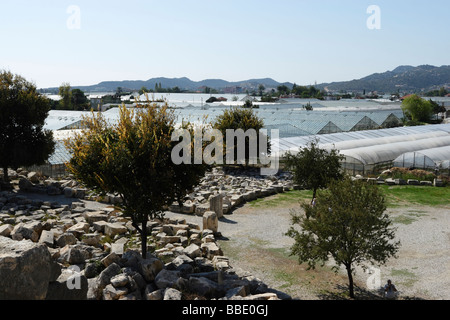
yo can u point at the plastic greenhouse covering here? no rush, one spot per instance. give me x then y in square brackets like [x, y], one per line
[293, 144]
[434, 158]
[367, 150]
[388, 152]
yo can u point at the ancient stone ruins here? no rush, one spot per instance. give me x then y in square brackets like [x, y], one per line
[54, 251]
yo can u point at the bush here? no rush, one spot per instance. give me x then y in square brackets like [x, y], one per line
[405, 174]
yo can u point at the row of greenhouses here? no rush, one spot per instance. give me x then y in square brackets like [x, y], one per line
[423, 147]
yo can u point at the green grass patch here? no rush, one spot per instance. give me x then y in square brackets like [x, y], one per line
[405, 277]
[399, 196]
[288, 198]
[408, 218]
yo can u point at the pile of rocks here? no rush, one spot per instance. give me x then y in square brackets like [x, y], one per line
[53, 251]
[223, 190]
[220, 191]
[34, 182]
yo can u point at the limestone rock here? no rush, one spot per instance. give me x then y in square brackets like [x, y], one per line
[149, 268]
[211, 221]
[193, 251]
[6, 229]
[25, 270]
[166, 278]
[71, 285]
[172, 294]
[113, 229]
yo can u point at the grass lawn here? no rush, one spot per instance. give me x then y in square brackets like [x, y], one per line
[284, 199]
[398, 196]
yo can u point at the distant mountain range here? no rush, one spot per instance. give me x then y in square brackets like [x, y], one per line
[404, 79]
[182, 83]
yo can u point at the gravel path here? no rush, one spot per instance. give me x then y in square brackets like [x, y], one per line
[421, 270]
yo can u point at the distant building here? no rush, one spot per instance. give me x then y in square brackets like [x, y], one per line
[233, 90]
[404, 97]
[96, 103]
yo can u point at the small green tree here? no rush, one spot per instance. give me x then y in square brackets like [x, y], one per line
[417, 109]
[132, 158]
[348, 224]
[23, 111]
[313, 167]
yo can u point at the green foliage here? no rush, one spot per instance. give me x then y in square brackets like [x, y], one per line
[417, 109]
[23, 111]
[239, 118]
[347, 224]
[132, 158]
[314, 168]
[66, 97]
[405, 174]
[79, 100]
[405, 196]
[442, 92]
[71, 99]
[307, 92]
[308, 107]
[283, 89]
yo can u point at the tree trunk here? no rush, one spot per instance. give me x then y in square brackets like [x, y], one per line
[5, 175]
[350, 282]
[144, 239]
[314, 193]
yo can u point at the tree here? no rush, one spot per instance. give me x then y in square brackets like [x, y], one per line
[437, 108]
[132, 158]
[239, 118]
[65, 91]
[417, 109]
[314, 168]
[347, 224]
[261, 89]
[308, 107]
[23, 111]
[79, 100]
[283, 89]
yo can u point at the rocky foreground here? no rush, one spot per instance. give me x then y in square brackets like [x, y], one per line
[54, 251]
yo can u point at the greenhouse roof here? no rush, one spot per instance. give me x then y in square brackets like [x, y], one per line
[293, 144]
[389, 152]
[59, 119]
[61, 154]
[427, 158]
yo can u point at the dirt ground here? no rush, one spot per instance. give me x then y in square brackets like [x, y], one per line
[254, 239]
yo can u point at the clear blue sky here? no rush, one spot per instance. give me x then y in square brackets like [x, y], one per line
[300, 41]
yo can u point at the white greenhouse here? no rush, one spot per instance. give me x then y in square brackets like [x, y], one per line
[433, 158]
